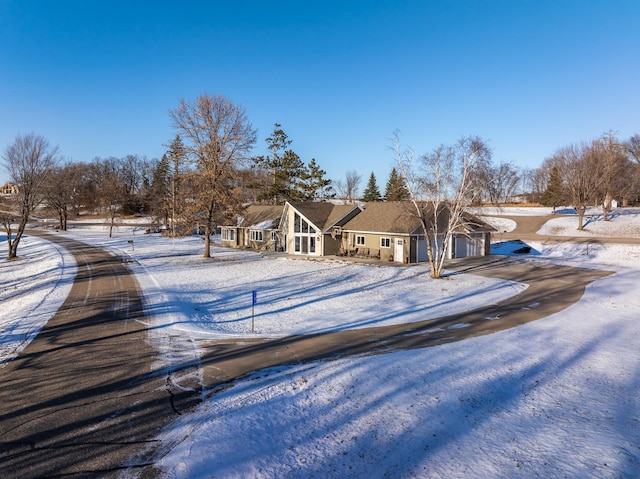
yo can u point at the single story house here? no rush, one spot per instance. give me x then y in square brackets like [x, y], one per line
[256, 229]
[390, 231]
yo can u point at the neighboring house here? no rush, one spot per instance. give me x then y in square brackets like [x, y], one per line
[256, 229]
[310, 227]
[8, 189]
[389, 231]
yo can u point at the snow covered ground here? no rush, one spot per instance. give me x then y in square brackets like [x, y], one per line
[559, 397]
[623, 223]
[32, 288]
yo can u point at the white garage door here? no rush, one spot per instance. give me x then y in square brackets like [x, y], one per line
[469, 246]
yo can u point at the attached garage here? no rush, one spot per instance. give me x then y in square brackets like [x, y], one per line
[468, 245]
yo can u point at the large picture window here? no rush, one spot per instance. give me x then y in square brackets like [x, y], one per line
[304, 240]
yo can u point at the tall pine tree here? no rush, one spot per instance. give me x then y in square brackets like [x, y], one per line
[313, 184]
[396, 188]
[371, 192]
[284, 169]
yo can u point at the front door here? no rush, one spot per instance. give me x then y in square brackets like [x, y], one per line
[398, 251]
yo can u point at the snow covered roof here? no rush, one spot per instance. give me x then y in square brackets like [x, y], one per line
[264, 217]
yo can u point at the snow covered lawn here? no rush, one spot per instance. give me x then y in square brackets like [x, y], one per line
[559, 397]
[623, 223]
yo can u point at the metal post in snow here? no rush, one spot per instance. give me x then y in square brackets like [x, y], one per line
[254, 300]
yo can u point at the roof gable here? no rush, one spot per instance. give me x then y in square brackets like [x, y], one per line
[323, 215]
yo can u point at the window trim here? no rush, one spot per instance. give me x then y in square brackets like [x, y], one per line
[256, 235]
[384, 240]
[228, 234]
[360, 240]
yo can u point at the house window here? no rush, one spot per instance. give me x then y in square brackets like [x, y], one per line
[256, 235]
[274, 235]
[359, 240]
[228, 234]
[385, 243]
[304, 236]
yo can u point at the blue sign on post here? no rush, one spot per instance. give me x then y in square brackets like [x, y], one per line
[254, 296]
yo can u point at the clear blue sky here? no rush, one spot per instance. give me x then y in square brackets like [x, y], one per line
[97, 77]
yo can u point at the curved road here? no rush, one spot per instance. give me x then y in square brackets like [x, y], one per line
[83, 399]
[82, 396]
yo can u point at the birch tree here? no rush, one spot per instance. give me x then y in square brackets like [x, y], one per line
[218, 138]
[440, 189]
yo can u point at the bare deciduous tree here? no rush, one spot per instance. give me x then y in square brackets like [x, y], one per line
[609, 155]
[504, 183]
[632, 146]
[440, 189]
[63, 189]
[580, 171]
[111, 187]
[29, 161]
[347, 190]
[218, 137]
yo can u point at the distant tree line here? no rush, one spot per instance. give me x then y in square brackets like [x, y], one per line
[592, 173]
[207, 175]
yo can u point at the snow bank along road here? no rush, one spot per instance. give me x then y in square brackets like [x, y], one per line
[82, 398]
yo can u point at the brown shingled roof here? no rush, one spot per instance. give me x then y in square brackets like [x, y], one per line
[385, 217]
[257, 214]
[400, 218]
[321, 214]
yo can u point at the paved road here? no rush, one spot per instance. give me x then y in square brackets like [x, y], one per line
[83, 398]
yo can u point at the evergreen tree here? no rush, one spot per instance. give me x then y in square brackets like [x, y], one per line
[554, 195]
[284, 169]
[314, 185]
[160, 189]
[371, 192]
[396, 188]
